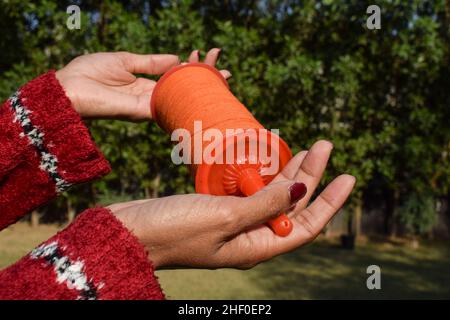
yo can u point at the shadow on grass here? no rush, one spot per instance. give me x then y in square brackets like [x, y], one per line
[324, 271]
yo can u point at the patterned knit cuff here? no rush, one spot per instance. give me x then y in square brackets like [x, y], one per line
[95, 257]
[67, 152]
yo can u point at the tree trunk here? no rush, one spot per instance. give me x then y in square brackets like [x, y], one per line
[70, 211]
[34, 219]
[390, 227]
[447, 210]
[156, 185]
[93, 194]
[326, 231]
[415, 243]
[358, 218]
[350, 224]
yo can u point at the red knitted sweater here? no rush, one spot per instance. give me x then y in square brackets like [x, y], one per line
[45, 149]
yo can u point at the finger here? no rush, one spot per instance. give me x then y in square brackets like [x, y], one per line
[137, 87]
[316, 216]
[291, 169]
[312, 168]
[212, 56]
[147, 63]
[269, 202]
[194, 56]
[226, 74]
[262, 244]
[130, 107]
[113, 104]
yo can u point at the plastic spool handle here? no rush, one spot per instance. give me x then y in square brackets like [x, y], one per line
[250, 183]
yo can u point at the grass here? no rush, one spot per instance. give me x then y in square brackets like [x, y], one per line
[321, 270]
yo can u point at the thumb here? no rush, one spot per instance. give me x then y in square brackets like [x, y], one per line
[270, 201]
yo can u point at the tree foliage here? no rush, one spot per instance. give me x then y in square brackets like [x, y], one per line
[310, 68]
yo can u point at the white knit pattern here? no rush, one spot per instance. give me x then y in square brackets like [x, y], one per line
[69, 272]
[44, 250]
[48, 162]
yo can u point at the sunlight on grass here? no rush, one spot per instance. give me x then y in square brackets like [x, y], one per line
[321, 270]
[324, 271]
[18, 239]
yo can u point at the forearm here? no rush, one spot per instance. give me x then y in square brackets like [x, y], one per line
[95, 257]
[44, 148]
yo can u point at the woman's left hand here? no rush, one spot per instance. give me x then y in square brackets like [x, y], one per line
[203, 231]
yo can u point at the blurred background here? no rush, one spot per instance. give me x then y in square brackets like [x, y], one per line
[310, 68]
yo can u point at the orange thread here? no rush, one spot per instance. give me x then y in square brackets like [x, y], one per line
[198, 92]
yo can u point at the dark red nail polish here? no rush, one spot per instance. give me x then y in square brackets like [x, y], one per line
[297, 191]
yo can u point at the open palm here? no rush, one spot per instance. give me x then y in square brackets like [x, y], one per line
[224, 231]
[105, 85]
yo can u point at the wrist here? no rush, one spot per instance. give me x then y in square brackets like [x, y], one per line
[131, 222]
[65, 80]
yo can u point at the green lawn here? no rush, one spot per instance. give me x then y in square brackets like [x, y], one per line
[319, 271]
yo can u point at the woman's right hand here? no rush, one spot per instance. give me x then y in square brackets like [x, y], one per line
[205, 231]
[104, 85]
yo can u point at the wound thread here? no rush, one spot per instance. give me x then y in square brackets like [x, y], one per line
[198, 92]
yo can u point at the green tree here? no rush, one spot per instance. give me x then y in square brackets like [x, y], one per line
[310, 68]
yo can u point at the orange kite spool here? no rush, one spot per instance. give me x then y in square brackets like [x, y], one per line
[198, 92]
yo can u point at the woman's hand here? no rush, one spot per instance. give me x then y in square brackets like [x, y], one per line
[104, 85]
[222, 231]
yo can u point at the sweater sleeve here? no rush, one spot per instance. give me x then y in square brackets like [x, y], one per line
[44, 148]
[95, 257]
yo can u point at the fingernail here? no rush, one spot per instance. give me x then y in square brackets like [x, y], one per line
[297, 191]
[218, 53]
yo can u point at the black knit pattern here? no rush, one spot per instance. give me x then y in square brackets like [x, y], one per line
[49, 161]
